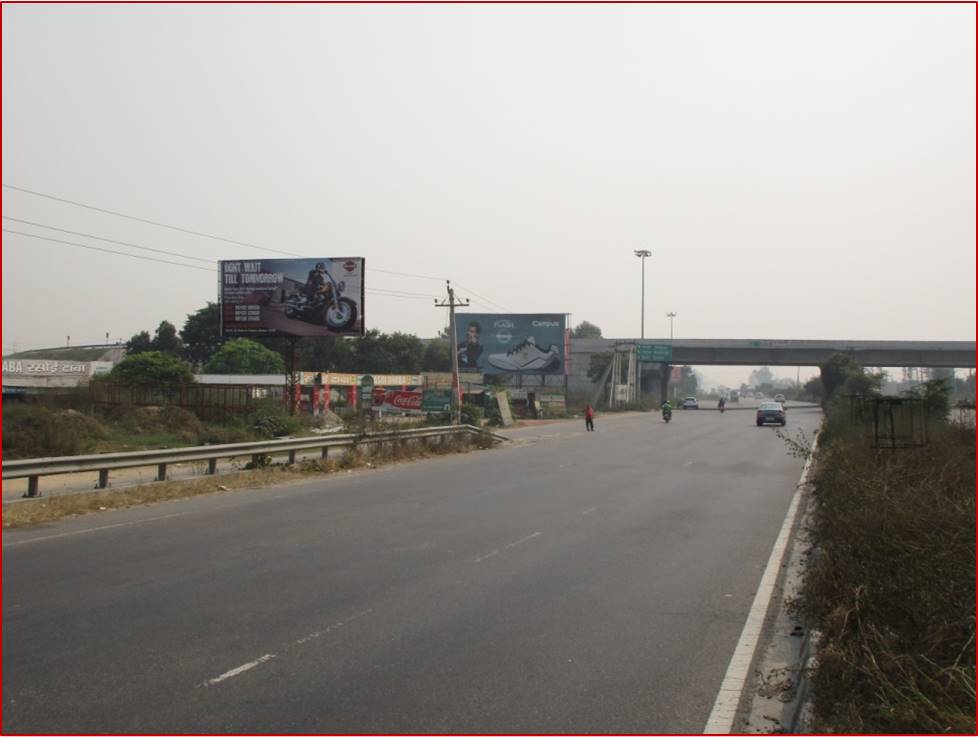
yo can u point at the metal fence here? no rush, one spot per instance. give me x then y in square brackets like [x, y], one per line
[32, 469]
[213, 397]
[891, 422]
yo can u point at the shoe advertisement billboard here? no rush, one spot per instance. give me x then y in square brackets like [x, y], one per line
[511, 344]
[291, 297]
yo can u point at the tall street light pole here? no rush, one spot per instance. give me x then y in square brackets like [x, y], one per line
[670, 315]
[643, 254]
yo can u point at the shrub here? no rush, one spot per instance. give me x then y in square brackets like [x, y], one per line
[36, 432]
[472, 415]
[892, 587]
[153, 368]
[271, 419]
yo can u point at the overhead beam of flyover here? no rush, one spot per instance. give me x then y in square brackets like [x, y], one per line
[764, 352]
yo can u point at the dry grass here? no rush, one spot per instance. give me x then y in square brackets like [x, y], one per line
[892, 588]
[47, 509]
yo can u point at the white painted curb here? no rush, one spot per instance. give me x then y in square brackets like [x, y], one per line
[725, 707]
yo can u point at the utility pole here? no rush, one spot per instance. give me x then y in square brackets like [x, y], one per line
[643, 254]
[670, 315]
[451, 304]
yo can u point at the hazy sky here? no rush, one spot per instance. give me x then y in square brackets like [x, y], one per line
[796, 171]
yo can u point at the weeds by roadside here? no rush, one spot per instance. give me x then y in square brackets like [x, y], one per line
[892, 587]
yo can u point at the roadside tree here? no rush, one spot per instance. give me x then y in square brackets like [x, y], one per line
[243, 356]
[153, 369]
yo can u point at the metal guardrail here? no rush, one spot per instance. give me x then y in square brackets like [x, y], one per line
[33, 468]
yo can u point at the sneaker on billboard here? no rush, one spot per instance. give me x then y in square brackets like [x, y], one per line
[525, 356]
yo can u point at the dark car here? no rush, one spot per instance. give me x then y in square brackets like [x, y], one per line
[771, 412]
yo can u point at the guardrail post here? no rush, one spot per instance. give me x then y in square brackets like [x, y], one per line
[291, 457]
[161, 472]
[32, 486]
[103, 478]
[211, 466]
[256, 460]
[325, 452]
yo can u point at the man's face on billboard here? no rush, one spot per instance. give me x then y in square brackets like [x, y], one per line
[472, 335]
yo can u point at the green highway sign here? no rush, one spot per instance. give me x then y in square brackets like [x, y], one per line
[437, 400]
[654, 353]
[367, 391]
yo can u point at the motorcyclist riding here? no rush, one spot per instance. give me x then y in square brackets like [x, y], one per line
[722, 404]
[666, 407]
[316, 287]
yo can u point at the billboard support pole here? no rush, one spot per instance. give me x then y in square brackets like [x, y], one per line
[451, 304]
[290, 381]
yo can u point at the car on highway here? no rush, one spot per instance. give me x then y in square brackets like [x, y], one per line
[771, 412]
[779, 398]
[689, 403]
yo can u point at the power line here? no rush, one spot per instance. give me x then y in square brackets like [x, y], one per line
[107, 250]
[381, 292]
[147, 220]
[483, 299]
[109, 240]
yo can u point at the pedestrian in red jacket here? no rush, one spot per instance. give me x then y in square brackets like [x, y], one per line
[589, 418]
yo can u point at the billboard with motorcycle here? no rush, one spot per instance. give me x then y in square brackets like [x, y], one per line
[492, 344]
[297, 297]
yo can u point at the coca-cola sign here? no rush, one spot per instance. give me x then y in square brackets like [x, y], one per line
[398, 400]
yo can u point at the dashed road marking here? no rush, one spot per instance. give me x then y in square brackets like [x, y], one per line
[239, 670]
[497, 551]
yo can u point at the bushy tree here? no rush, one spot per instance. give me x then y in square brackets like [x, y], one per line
[166, 339]
[842, 374]
[139, 343]
[243, 356]
[152, 368]
[761, 375]
[437, 356]
[201, 334]
[586, 330]
[813, 388]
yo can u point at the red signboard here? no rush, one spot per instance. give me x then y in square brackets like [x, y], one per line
[398, 400]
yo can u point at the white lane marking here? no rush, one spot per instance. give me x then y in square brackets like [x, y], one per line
[239, 670]
[93, 529]
[725, 707]
[337, 625]
[589, 510]
[497, 551]
[687, 463]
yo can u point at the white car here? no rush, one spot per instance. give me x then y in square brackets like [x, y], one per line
[689, 403]
[779, 398]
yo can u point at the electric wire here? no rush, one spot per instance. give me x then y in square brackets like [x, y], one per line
[109, 240]
[482, 299]
[148, 221]
[373, 290]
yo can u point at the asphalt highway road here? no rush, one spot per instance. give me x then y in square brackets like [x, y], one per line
[569, 582]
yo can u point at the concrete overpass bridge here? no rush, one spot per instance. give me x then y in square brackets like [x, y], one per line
[768, 352]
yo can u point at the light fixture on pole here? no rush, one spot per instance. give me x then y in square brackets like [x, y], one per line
[643, 254]
[670, 315]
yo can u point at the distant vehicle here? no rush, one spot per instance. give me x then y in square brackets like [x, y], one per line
[771, 412]
[779, 398]
[689, 403]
